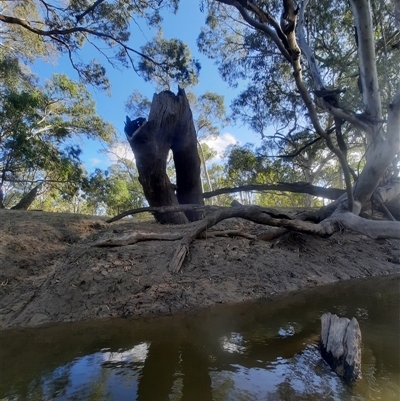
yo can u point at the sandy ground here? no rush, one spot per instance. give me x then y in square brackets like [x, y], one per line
[50, 272]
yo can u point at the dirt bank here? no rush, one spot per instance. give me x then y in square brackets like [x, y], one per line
[50, 272]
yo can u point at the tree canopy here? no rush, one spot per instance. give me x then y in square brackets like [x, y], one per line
[39, 124]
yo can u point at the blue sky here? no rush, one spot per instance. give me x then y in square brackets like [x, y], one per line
[185, 25]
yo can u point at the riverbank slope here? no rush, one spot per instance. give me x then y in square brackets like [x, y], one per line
[50, 271]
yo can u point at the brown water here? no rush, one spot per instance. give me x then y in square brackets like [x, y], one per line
[255, 351]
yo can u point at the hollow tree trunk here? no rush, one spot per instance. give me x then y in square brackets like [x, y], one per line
[170, 126]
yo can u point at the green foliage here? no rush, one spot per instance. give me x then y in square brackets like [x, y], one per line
[19, 41]
[113, 191]
[137, 105]
[38, 127]
[32, 28]
[218, 179]
[247, 165]
[209, 114]
[158, 68]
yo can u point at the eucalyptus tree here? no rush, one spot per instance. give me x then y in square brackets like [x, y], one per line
[39, 130]
[113, 190]
[248, 170]
[306, 57]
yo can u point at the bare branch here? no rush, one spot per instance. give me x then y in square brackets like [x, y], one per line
[297, 187]
[312, 63]
[54, 33]
[88, 10]
[262, 26]
[162, 209]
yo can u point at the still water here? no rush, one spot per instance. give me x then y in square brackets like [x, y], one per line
[263, 350]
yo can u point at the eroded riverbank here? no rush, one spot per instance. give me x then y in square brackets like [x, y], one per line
[50, 272]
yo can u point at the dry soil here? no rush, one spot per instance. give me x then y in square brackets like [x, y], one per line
[51, 272]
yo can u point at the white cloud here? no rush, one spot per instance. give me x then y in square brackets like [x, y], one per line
[120, 151]
[220, 143]
[95, 161]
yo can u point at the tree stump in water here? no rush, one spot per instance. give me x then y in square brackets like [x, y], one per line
[340, 346]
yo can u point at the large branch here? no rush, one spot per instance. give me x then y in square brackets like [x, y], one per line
[312, 62]
[296, 187]
[291, 19]
[188, 207]
[54, 33]
[158, 209]
[261, 26]
[316, 75]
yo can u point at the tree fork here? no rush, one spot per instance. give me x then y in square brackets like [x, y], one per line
[170, 126]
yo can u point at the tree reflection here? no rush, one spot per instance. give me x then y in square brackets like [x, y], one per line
[262, 355]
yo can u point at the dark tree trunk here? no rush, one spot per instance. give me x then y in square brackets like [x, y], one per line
[170, 126]
[186, 158]
[27, 200]
[1, 197]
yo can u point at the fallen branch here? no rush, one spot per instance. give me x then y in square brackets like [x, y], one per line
[265, 216]
[252, 213]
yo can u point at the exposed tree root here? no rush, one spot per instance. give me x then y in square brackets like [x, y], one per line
[227, 233]
[138, 237]
[189, 207]
[373, 229]
[161, 209]
[338, 220]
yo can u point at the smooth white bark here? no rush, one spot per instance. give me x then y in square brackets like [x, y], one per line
[367, 59]
[386, 148]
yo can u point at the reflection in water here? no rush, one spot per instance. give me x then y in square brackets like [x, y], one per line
[258, 351]
[94, 377]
